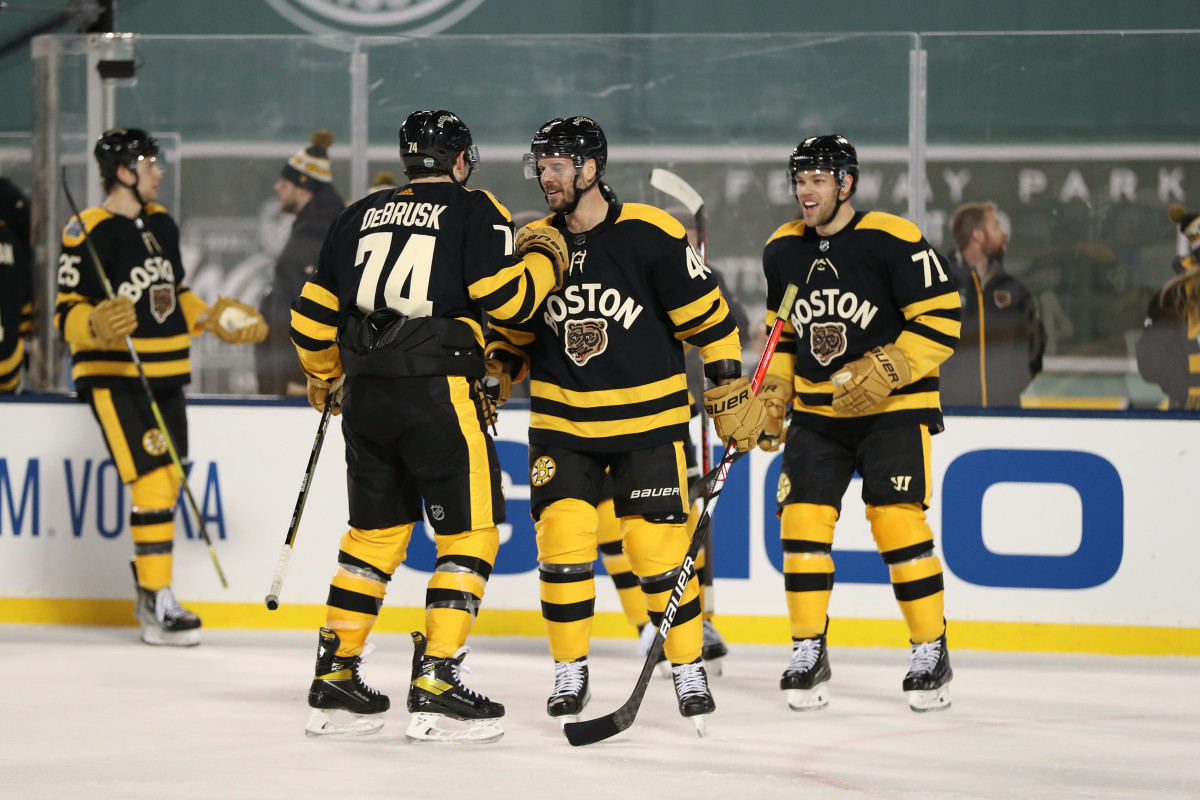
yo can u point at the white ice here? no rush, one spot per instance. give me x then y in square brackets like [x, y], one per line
[93, 713]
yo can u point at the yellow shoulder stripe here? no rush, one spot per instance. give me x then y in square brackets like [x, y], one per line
[73, 232]
[890, 223]
[793, 228]
[655, 216]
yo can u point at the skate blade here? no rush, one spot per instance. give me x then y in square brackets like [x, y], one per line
[922, 700]
[714, 667]
[701, 723]
[566, 718]
[321, 723]
[152, 634]
[440, 729]
[808, 699]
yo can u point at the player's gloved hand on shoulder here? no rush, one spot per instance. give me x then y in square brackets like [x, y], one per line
[112, 320]
[776, 397]
[546, 239]
[862, 384]
[736, 413]
[234, 322]
[321, 392]
[497, 382]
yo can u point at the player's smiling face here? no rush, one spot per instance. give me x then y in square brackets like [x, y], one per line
[558, 181]
[817, 191]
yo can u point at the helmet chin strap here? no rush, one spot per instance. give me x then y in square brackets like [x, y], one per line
[134, 188]
[579, 193]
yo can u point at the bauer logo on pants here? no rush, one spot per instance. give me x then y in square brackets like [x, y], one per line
[542, 472]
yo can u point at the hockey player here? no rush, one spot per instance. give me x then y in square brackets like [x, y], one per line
[857, 366]
[137, 245]
[605, 359]
[16, 284]
[395, 311]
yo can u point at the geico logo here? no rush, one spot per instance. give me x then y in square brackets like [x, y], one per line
[664, 491]
[591, 298]
[151, 271]
[829, 303]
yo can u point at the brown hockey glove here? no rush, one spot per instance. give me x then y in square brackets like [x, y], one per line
[234, 322]
[321, 392]
[497, 383]
[546, 239]
[1192, 403]
[776, 396]
[861, 385]
[736, 413]
[111, 321]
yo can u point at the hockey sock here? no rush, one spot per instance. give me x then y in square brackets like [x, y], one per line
[616, 563]
[806, 531]
[567, 533]
[656, 550]
[455, 590]
[152, 526]
[366, 560]
[906, 544]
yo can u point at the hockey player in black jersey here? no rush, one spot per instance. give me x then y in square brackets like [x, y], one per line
[608, 390]
[394, 314]
[137, 244]
[856, 373]
[16, 284]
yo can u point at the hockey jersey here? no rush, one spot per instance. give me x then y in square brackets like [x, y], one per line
[16, 306]
[605, 354]
[142, 262]
[428, 250]
[874, 282]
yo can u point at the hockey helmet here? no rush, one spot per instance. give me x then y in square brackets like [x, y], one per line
[123, 147]
[577, 138]
[832, 153]
[430, 142]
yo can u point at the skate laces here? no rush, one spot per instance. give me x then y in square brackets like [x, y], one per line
[689, 680]
[166, 607]
[456, 668]
[925, 657]
[568, 677]
[805, 655]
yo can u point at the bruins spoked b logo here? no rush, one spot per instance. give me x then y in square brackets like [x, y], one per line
[783, 489]
[542, 471]
[154, 442]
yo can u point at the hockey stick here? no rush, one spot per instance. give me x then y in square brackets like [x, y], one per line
[285, 555]
[595, 730]
[141, 371]
[677, 188]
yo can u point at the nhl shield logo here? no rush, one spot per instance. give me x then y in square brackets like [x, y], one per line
[827, 341]
[586, 338]
[162, 301]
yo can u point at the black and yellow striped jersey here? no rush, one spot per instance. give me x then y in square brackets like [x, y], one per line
[141, 259]
[16, 306]
[876, 281]
[432, 249]
[605, 354]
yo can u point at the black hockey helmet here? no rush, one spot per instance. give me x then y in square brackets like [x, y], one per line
[123, 147]
[430, 142]
[577, 138]
[832, 153]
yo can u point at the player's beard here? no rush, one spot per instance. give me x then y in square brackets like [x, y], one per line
[564, 201]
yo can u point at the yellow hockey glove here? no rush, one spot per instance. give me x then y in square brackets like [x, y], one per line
[111, 321]
[736, 413]
[776, 396]
[321, 392]
[234, 322]
[862, 384]
[499, 389]
[546, 239]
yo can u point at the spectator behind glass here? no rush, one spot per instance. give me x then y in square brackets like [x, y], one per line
[1003, 339]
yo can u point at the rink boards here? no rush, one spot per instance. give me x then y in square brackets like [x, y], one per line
[1055, 533]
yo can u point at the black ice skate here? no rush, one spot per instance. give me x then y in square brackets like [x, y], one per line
[691, 688]
[714, 650]
[571, 692]
[806, 679]
[929, 675]
[436, 694]
[338, 687]
[163, 620]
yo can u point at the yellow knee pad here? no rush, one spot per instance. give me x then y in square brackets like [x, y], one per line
[382, 548]
[900, 531]
[156, 489]
[567, 532]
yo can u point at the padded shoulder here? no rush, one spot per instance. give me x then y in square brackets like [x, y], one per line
[793, 228]
[499, 206]
[73, 232]
[890, 224]
[155, 208]
[655, 216]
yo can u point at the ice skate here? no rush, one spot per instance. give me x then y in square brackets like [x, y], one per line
[714, 651]
[443, 709]
[929, 675]
[645, 640]
[571, 692]
[337, 687]
[164, 621]
[806, 679]
[691, 688]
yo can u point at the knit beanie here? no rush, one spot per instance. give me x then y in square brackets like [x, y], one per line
[310, 167]
[1189, 225]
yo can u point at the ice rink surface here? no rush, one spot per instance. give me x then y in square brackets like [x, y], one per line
[93, 713]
